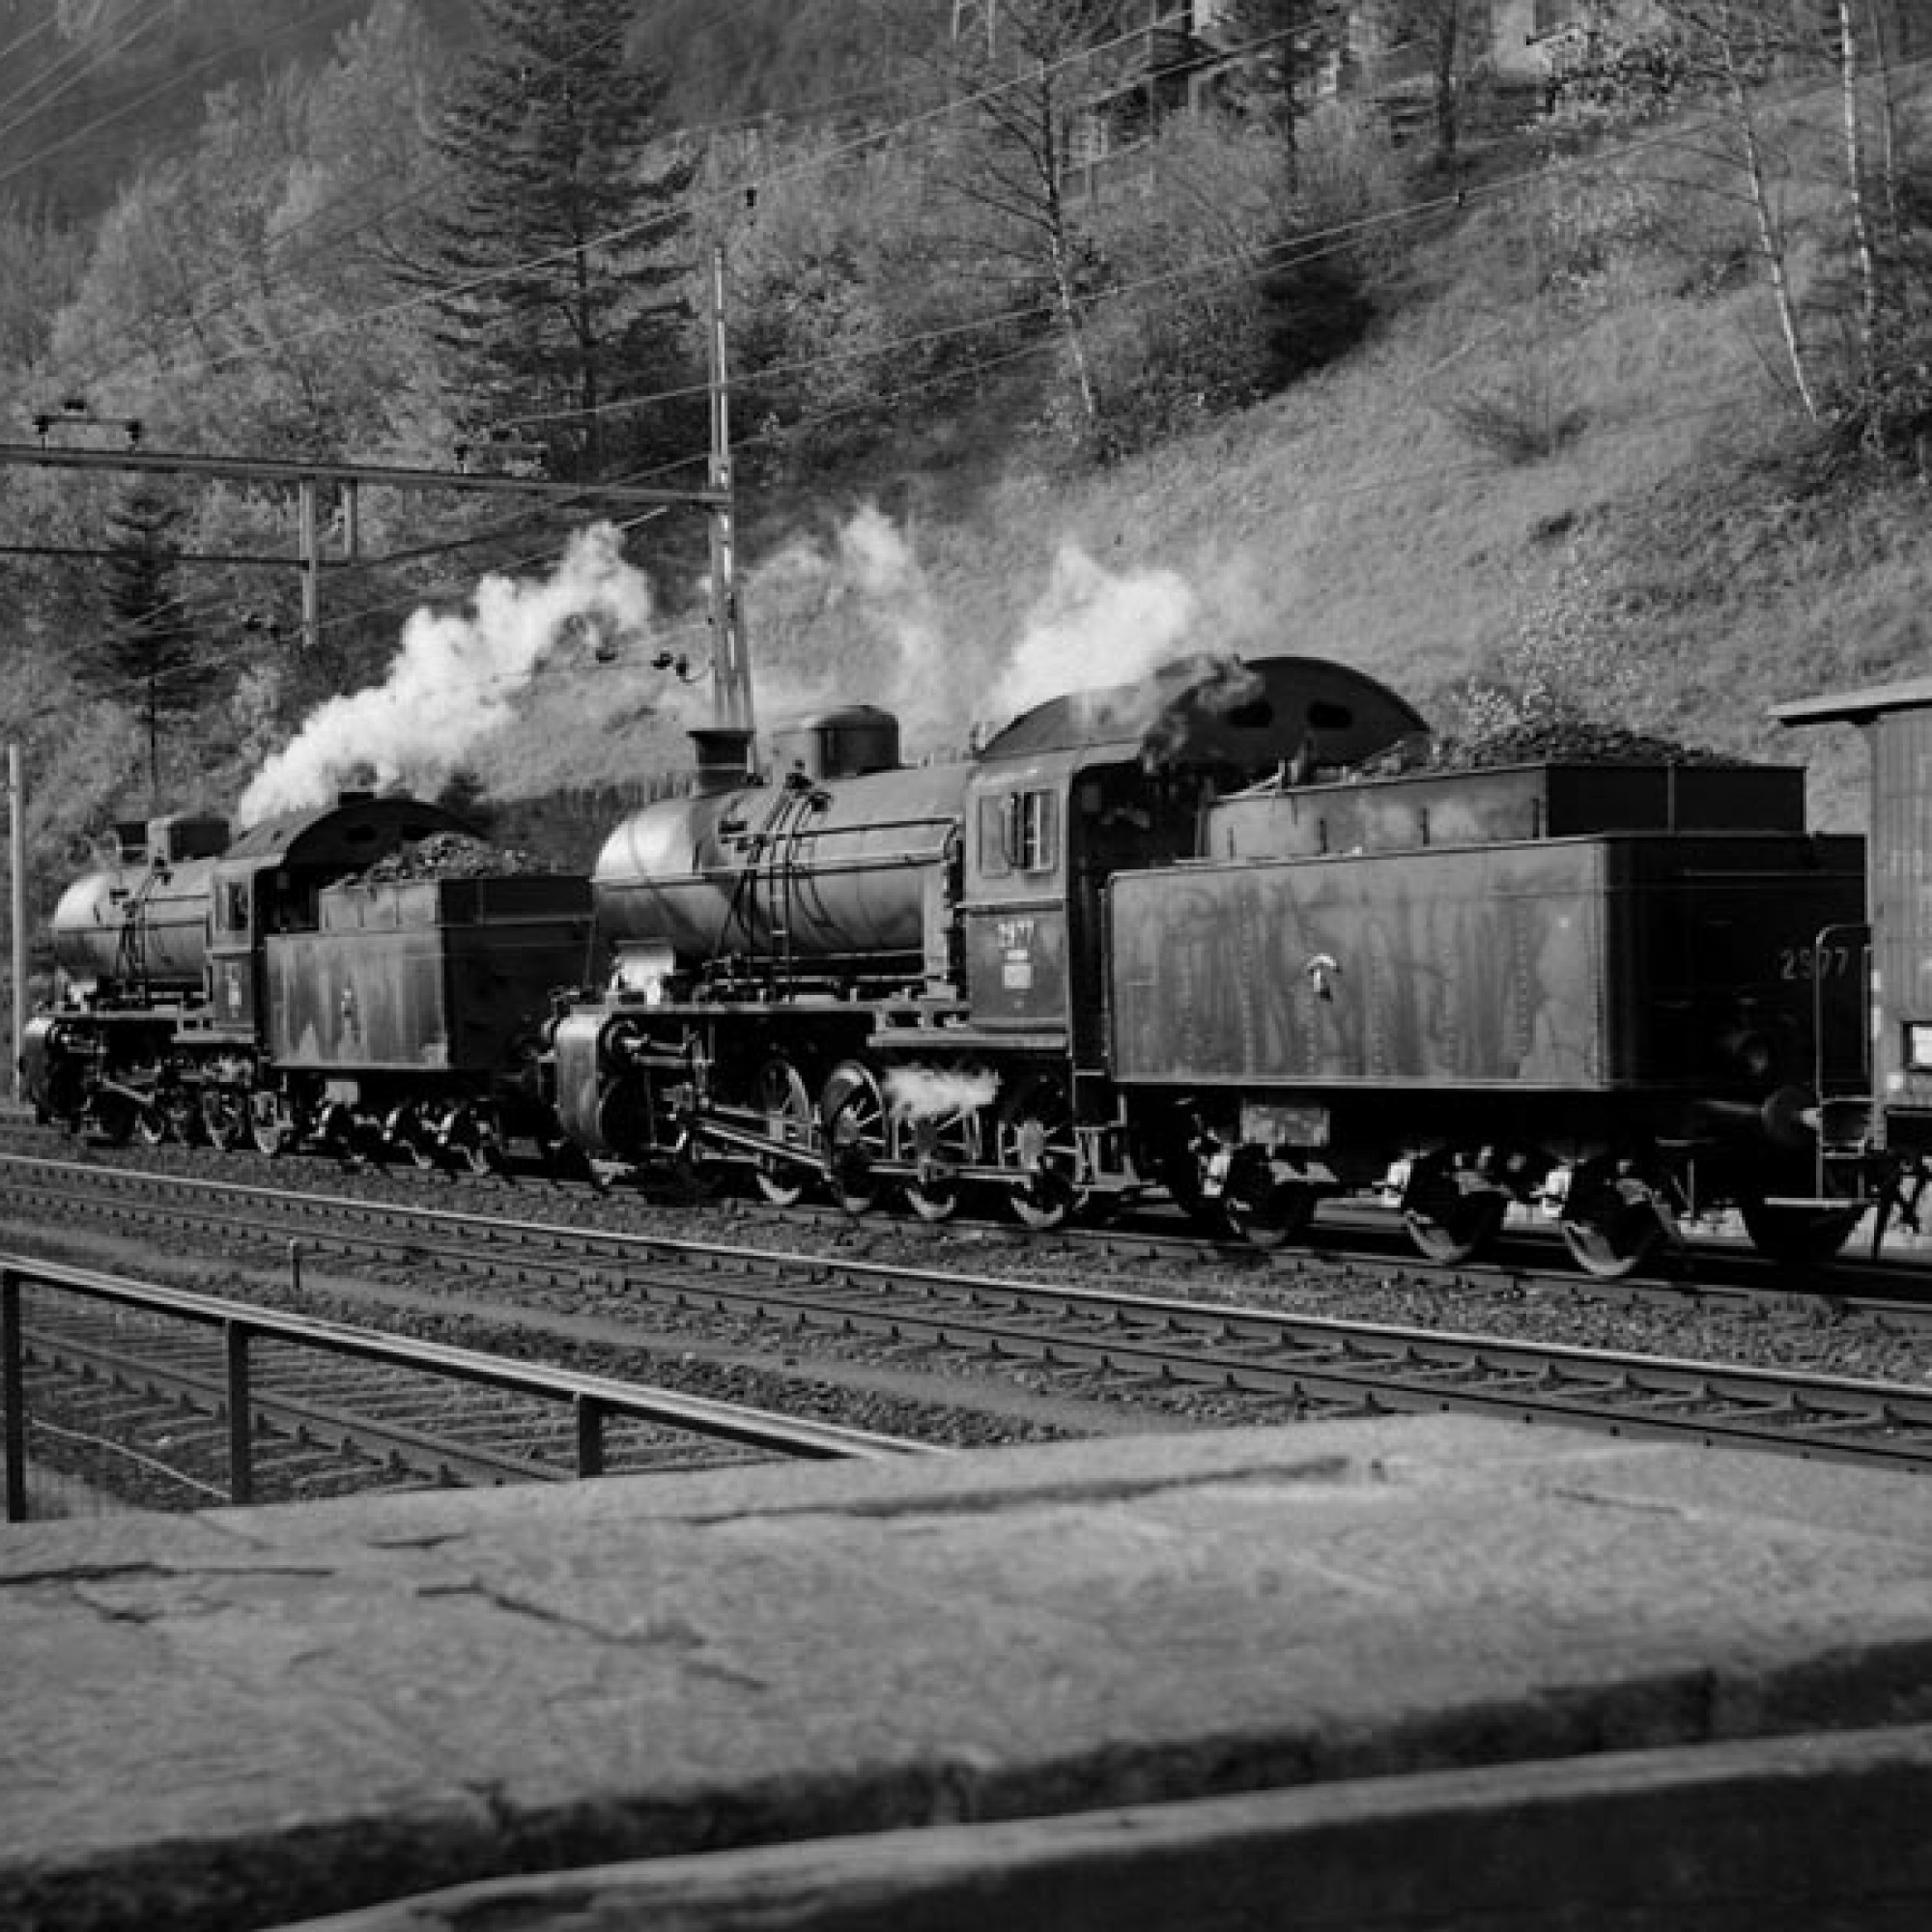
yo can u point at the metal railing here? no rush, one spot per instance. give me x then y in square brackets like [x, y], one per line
[594, 1400]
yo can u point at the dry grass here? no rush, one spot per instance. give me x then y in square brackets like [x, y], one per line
[1568, 409]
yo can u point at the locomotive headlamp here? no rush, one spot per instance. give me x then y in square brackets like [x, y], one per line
[1918, 1046]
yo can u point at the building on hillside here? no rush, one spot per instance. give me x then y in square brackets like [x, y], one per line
[1155, 57]
[1439, 70]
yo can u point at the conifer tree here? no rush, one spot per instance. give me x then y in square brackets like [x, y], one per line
[564, 239]
[148, 653]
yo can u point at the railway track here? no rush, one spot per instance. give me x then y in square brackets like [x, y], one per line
[1204, 1359]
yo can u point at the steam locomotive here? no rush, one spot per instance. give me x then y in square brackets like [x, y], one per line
[1168, 939]
[271, 990]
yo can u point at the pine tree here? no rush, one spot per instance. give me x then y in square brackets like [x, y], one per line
[564, 239]
[148, 651]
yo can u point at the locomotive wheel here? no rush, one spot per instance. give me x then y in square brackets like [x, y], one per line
[182, 1113]
[1037, 1142]
[404, 1134]
[1452, 1214]
[113, 1118]
[271, 1124]
[1265, 1209]
[786, 1106]
[224, 1115]
[151, 1124]
[1610, 1222]
[1799, 1237]
[852, 1116]
[942, 1143]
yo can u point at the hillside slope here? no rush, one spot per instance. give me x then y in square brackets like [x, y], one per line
[1603, 464]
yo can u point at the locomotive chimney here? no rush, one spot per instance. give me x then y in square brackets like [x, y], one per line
[724, 755]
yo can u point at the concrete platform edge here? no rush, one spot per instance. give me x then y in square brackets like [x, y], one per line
[1789, 1835]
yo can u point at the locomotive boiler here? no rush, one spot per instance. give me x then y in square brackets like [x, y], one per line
[832, 876]
[141, 919]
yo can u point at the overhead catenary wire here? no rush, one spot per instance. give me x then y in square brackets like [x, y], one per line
[52, 85]
[1240, 259]
[871, 138]
[633, 230]
[176, 79]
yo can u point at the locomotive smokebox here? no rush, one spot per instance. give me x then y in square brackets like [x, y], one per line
[842, 744]
[723, 757]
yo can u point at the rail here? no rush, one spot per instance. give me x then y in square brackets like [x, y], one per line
[594, 1400]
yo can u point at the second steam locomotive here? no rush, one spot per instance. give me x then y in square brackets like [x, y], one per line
[1172, 937]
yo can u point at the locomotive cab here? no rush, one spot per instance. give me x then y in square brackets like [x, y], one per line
[1083, 789]
[270, 879]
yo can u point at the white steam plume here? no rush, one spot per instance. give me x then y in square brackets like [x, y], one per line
[899, 644]
[928, 1092]
[1093, 628]
[865, 594]
[457, 676]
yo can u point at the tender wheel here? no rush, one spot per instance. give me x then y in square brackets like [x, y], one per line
[852, 1116]
[406, 1136]
[224, 1115]
[1268, 1209]
[1804, 1236]
[1039, 1145]
[1452, 1214]
[1174, 1159]
[1611, 1222]
[782, 1098]
[337, 1130]
[271, 1124]
[473, 1142]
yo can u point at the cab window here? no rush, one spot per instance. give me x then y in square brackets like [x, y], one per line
[1019, 832]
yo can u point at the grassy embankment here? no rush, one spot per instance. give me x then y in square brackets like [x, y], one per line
[1572, 424]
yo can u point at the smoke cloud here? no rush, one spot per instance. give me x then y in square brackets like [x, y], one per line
[1094, 628]
[457, 677]
[860, 604]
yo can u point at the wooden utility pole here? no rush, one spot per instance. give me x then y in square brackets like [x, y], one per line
[17, 853]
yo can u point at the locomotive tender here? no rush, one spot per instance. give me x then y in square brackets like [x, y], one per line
[1168, 937]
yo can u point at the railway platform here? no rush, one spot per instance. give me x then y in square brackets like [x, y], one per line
[1410, 1673]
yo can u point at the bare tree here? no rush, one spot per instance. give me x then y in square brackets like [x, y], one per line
[1021, 89]
[1855, 142]
[1779, 61]
[1729, 43]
